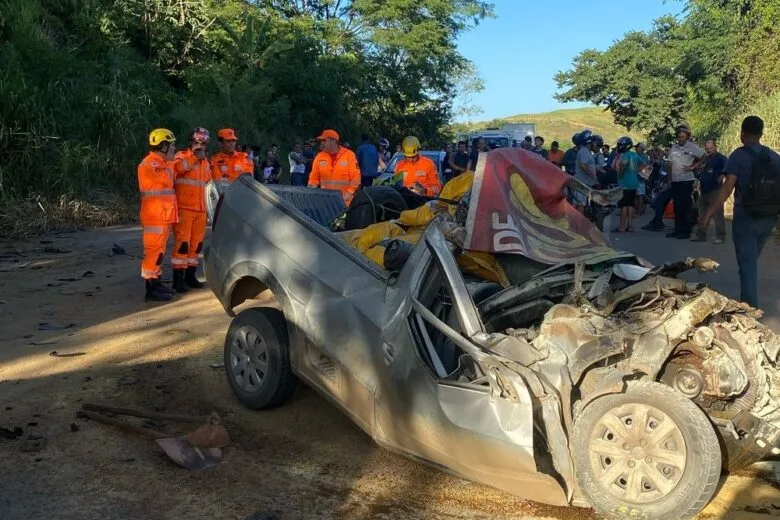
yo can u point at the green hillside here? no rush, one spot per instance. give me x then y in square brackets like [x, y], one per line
[559, 125]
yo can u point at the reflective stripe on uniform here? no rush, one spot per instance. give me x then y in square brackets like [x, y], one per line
[154, 230]
[191, 182]
[328, 182]
[146, 273]
[192, 261]
[421, 174]
[157, 193]
[178, 261]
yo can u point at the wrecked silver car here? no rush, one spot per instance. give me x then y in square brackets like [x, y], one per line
[594, 381]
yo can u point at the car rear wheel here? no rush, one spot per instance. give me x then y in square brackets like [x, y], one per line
[257, 358]
[646, 453]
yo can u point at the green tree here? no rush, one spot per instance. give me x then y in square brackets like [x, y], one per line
[704, 67]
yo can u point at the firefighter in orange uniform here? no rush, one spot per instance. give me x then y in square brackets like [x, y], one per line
[420, 173]
[228, 164]
[158, 210]
[192, 171]
[335, 167]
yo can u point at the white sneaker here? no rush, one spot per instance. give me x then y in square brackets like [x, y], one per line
[718, 241]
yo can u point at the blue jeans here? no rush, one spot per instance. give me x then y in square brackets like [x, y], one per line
[750, 235]
[659, 205]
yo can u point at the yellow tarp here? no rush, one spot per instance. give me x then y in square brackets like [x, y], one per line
[414, 222]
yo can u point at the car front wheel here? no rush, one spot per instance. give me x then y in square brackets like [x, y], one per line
[257, 358]
[647, 453]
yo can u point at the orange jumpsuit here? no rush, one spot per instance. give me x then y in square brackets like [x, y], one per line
[158, 211]
[231, 167]
[422, 171]
[337, 171]
[192, 174]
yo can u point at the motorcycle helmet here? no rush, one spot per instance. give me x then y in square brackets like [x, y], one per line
[624, 144]
[575, 139]
[598, 140]
[586, 137]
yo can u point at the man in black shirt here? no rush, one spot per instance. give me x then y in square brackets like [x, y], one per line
[459, 160]
[480, 146]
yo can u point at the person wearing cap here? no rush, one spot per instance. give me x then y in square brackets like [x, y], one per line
[685, 157]
[228, 164]
[192, 171]
[335, 167]
[420, 174]
[158, 210]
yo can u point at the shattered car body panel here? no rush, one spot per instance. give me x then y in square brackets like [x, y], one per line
[453, 372]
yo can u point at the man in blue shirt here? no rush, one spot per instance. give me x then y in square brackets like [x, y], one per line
[627, 163]
[368, 161]
[710, 180]
[750, 232]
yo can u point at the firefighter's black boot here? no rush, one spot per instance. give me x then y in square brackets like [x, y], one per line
[178, 281]
[191, 279]
[155, 292]
[166, 288]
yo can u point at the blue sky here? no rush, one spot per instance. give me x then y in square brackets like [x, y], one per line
[518, 52]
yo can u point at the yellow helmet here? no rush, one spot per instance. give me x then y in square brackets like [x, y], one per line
[161, 135]
[411, 146]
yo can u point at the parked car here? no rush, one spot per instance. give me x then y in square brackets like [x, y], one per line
[607, 384]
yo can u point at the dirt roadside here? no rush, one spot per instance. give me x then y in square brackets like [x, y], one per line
[303, 460]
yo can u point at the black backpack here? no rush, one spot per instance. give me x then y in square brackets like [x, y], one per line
[760, 196]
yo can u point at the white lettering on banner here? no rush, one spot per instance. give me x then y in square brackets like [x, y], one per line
[506, 230]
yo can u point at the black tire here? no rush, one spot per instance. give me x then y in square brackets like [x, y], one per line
[265, 341]
[374, 204]
[689, 487]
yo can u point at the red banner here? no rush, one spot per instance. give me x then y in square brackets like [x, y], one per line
[518, 205]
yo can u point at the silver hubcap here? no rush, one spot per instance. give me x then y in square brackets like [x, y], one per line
[248, 359]
[637, 453]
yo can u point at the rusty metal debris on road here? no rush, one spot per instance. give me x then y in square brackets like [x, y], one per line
[177, 448]
[44, 342]
[54, 353]
[55, 250]
[46, 325]
[209, 435]
[11, 433]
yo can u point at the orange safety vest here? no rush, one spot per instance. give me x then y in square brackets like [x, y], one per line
[158, 198]
[192, 174]
[555, 157]
[422, 171]
[230, 167]
[336, 172]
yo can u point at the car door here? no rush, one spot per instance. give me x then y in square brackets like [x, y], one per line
[425, 404]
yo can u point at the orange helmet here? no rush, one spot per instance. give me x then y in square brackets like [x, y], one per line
[227, 134]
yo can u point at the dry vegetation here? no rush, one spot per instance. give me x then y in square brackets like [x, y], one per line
[36, 215]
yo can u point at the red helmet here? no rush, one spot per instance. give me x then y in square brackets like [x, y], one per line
[199, 135]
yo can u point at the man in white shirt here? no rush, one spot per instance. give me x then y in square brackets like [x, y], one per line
[297, 166]
[685, 157]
